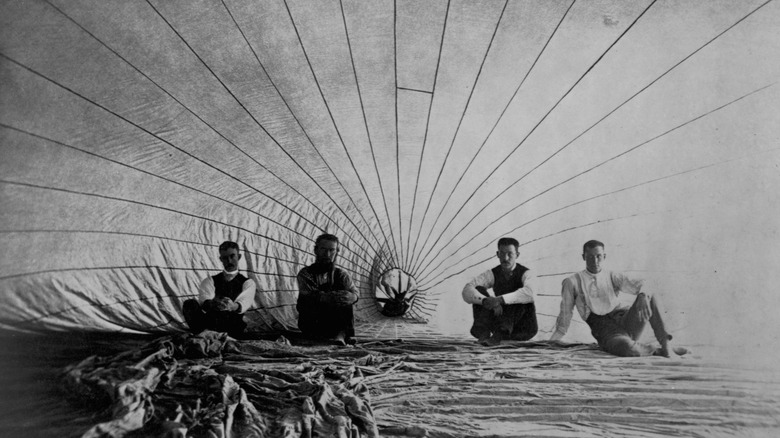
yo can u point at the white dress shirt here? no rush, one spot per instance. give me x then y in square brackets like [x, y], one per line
[592, 293]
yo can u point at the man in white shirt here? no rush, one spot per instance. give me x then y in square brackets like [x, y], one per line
[223, 298]
[507, 312]
[616, 327]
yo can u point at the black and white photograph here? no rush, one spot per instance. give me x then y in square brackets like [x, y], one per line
[401, 218]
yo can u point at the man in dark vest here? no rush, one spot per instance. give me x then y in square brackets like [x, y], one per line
[326, 296]
[508, 311]
[223, 298]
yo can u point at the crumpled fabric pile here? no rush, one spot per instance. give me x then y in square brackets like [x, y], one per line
[210, 385]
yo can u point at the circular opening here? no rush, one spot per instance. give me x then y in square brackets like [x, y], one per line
[395, 292]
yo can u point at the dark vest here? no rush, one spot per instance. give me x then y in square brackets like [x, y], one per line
[503, 285]
[231, 289]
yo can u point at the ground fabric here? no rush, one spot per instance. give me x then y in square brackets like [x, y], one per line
[213, 386]
[207, 385]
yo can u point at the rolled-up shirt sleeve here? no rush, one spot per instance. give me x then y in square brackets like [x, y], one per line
[206, 290]
[470, 293]
[247, 296]
[567, 310]
[525, 294]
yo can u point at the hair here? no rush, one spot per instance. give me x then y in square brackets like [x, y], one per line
[327, 237]
[226, 245]
[509, 241]
[591, 244]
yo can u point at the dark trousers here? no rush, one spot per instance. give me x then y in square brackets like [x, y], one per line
[219, 321]
[517, 321]
[618, 331]
[326, 321]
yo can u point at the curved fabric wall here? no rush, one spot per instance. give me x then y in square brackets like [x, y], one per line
[138, 135]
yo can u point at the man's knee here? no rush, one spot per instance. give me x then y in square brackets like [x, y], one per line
[193, 315]
[190, 305]
[655, 301]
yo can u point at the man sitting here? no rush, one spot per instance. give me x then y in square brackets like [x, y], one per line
[594, 291]
[509, 312]
[326, 296]
[223, 298]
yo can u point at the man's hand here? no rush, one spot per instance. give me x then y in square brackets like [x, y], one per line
[224, 304]
[490, 303]
[643, 306]
[339, 297]
[494, 304]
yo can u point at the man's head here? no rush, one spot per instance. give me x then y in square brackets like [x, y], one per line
[229, 255]
[593, 253]
[507, 252]
[326, 248]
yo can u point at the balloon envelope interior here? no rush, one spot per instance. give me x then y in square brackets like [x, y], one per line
[138, 135]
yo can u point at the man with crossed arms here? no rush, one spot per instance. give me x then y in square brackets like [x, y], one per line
[223, 298]
[507, 312]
